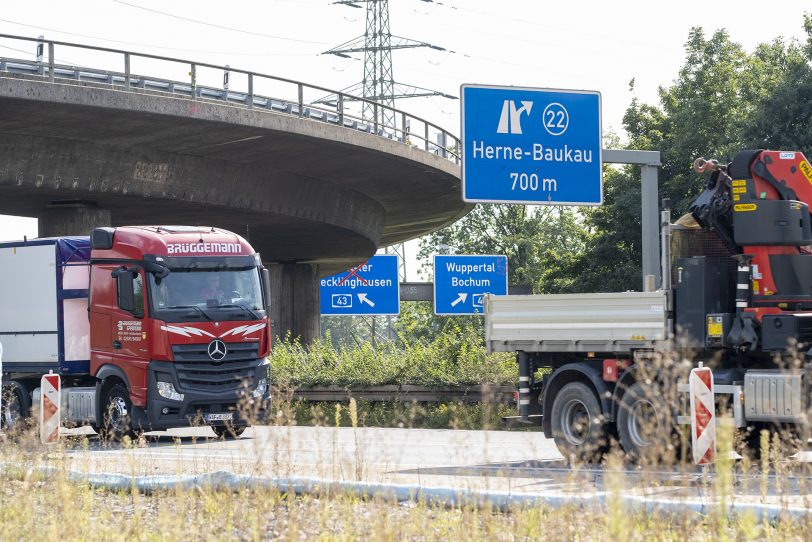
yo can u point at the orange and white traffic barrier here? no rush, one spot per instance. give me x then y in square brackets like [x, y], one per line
[50, 401]
[703, 415]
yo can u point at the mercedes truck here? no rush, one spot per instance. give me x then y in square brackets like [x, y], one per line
[149, 328]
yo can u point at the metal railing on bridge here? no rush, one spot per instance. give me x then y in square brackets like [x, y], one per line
[409, 129]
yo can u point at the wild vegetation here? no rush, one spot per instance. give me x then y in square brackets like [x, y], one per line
[54, 506]
[454, 357]
[62, 510]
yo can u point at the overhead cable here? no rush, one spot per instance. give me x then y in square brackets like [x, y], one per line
[221, 27]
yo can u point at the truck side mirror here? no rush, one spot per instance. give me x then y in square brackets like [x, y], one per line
[127, 297]
[126, 294]
[266, 288]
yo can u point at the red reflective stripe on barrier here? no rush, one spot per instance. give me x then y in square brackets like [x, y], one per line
[703, 417]
[49, 404]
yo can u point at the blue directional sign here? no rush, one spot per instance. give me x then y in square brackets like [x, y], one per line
[461, 282]
[534, 146]
[370, 289]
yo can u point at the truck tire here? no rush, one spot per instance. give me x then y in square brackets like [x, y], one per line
[116, 420]
[15, 408]
[577, 425]
[792, 439]
[228, 432]
[642, 425]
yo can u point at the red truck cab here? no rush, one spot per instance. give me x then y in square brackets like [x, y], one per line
[179, 329]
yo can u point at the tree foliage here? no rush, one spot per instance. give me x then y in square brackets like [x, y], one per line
[723, 100]
[539, 241]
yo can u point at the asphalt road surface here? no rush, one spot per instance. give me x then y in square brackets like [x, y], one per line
[518, 462]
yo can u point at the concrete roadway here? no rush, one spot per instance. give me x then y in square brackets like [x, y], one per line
[518, 462]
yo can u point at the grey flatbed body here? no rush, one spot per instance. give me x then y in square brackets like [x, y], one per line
[595, 322]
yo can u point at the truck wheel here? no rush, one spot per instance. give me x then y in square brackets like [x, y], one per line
[642, 425]
[575, 418]
[225, 431]
[14, 408]
[792, 439]
[116, 414]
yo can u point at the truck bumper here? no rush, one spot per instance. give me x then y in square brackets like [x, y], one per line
[234, 406]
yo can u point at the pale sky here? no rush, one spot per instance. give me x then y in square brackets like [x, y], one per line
[569, 45]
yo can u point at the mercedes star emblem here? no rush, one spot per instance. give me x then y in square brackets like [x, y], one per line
[217, 350]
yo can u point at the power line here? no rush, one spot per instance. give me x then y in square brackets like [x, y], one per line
[152, 46]
[65, 61]
[15, 49]
[221, 27]
[492, 15]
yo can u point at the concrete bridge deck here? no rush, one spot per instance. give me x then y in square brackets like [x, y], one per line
[301, 190]
[81, 148]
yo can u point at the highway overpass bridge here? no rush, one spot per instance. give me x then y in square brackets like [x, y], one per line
[312, 187]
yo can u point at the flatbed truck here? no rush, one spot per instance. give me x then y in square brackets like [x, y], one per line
[736, 296]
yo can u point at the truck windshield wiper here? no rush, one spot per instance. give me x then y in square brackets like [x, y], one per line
[254, 315]
[201, 311]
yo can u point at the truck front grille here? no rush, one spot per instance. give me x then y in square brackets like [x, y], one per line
[197, 371]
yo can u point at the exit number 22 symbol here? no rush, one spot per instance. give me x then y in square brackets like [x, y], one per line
[556, 119]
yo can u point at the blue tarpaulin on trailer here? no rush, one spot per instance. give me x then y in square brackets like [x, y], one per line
[73, 249]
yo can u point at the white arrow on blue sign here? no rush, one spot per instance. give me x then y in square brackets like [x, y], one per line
[531, 145]
[461, 282]
[371, 289]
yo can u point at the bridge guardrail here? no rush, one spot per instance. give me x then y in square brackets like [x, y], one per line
[333, 110]
[484, 393]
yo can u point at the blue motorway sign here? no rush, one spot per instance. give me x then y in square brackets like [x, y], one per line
[370, 289]
[534, 146]
[461, 282]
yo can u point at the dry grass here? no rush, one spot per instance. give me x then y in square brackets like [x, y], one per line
[61, 510]
[57, 508]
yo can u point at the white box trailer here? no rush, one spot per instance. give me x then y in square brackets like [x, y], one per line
[43, 306]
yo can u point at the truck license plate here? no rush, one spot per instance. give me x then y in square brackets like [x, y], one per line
[220, 417]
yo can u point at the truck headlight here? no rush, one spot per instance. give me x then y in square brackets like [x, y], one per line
[167, 389]
[262, 387]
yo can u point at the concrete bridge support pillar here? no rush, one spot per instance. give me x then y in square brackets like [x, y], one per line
[295, 301]
[72, 219]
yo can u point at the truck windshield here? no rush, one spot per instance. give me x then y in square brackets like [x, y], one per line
[214, 295]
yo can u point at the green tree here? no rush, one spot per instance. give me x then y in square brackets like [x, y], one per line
[417, 323]
[539, 241]
[722, 101]
[783, 115]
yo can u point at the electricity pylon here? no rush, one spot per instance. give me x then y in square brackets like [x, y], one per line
[378, 83]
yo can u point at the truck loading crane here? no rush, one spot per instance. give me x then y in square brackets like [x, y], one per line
[149, 327]
[736, 295]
